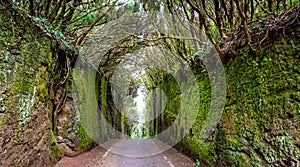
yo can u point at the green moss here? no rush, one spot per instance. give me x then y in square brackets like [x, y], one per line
[84, 83]
[55, 152]
[259, 124]
[263, 93]
[236, 159]
[200, 150]
[86, 141]
[42, 87]
[170, 87]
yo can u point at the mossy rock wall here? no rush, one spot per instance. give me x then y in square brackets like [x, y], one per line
[25, 59]
[261, 120]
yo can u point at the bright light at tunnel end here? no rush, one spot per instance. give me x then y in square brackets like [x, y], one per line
[145, 29]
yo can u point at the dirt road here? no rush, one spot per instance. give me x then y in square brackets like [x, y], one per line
[129, 153]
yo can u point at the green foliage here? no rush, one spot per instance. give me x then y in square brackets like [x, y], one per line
[267, 59]
[198, 163]
[130, 4]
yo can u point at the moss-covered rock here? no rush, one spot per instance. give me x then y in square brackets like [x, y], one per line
[265, 101]
[260, 123]
[25, 59]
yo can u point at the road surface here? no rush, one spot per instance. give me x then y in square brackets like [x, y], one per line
[129, 153]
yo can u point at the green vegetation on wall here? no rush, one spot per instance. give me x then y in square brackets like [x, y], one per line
[86, 106]
[25, 61]
[259, 126]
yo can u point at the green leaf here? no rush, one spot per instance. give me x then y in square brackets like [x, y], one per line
[37, 19]
[198, 164]
[61, 35]
[130, 4]
[44, 20]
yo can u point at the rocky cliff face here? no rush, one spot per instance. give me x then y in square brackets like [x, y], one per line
[25, 59]
[29, 64]
[261, 120]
